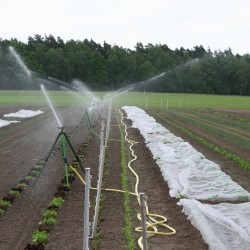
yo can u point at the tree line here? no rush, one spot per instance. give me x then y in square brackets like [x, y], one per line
[110, 67]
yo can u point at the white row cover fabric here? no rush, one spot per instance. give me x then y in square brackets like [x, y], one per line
[4, 123]
[223, 226]
[23, 113]
[187, 172]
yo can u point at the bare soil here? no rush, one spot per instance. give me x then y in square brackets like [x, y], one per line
[237, 173]
[22, 145]
[244, 113]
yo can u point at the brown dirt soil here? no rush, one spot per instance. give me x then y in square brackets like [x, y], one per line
[244, 113]
[237, 173]
[160, 202]
[23, 147]
[67, 234]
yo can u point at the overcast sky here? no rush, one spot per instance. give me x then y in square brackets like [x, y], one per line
[217, 24]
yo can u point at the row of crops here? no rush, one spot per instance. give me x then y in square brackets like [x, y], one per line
[193, 178]
[236, 131]
[226, 126]
[82, 132]
[229, 134]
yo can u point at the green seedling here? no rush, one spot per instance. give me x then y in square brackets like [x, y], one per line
[96, 242]
[38, 167]
[40, 237]
[50, 221]
[22, 185]
[71, 173]
[1, 212]
[181, 196]
[50, 213]
[28, 177]
[68, 186]
[36, 172]
[5, 204]
[58, 202]
[15, 193]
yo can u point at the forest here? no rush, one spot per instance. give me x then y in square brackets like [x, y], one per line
[106, 67]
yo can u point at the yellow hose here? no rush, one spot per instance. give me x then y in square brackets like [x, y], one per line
[105, 189]
[152, 223]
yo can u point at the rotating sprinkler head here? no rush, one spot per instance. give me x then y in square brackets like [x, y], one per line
[62, 129]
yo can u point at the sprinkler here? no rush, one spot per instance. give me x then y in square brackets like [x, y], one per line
[64, 139]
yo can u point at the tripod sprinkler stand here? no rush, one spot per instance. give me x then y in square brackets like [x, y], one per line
[64, 139]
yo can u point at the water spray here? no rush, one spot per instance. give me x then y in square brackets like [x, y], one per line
[81, 87]
[64, 139]
[50, 104]
[19, 61]
[157, 78]
[56, 81]
[73, 92]
[117, 93]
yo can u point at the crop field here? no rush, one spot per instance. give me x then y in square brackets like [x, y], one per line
[153, 100]
[42, 196]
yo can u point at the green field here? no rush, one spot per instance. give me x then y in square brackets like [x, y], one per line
[144, 100]
[37, 98]
[183, 101]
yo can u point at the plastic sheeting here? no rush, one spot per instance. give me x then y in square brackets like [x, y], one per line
[4, 123]
[223, 226]
[187, 172]
[23, 113]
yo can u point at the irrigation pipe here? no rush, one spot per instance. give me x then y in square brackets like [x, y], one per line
[152, 222]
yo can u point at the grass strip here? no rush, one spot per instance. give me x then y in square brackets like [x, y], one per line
[128, 212]
[235, 158]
